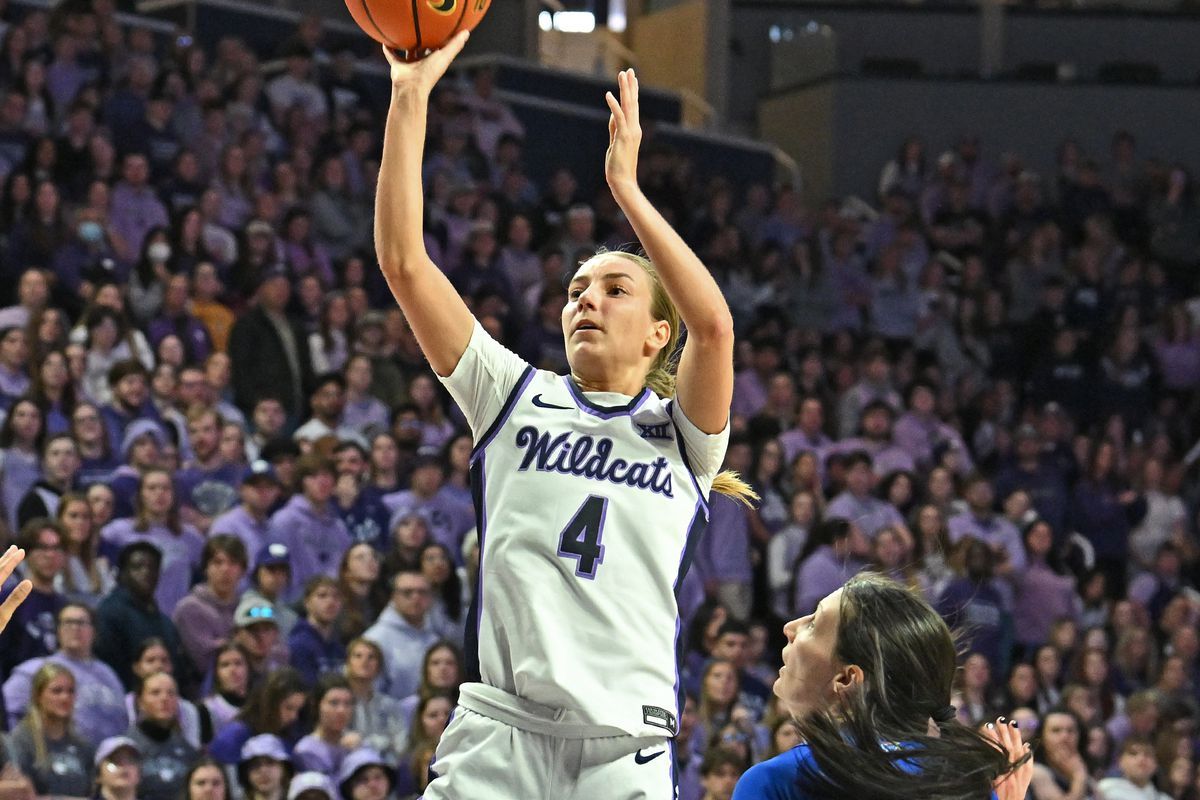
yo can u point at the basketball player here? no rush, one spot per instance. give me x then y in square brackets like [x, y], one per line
[867, 677]
[590, 489]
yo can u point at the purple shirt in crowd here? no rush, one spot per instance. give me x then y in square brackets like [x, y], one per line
[133, 212]
[316, 539]
[917, 436]
[238, 522]
[204, 623]
[749, 394]
[314, 754]
[870, 513]
[181, 556]
[824, 571]
[993, 530]
[448, 519]
[1041, 598]
[724, 551]
[885, 456]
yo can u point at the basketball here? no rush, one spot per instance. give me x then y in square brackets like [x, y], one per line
[416, 25]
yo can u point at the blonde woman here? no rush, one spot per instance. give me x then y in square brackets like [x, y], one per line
[590, 488]
[44, 746]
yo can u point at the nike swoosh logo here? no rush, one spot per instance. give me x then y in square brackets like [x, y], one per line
[641, 759]
[540, 403]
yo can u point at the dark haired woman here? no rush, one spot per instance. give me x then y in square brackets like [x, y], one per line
[860, 722]
[273, 707]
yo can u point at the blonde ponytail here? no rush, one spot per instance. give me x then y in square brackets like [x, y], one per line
[661, 381]
[730, 484]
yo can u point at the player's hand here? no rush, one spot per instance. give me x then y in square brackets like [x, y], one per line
[14, 785]
[422, 75]
[8, 562]
[624, 133]
[1012, 785]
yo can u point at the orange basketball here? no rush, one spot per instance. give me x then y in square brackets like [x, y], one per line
[416, 25]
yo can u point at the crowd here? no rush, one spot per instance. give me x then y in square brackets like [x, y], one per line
[245, 499]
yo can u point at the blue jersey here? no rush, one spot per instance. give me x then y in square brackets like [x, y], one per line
[779, 778]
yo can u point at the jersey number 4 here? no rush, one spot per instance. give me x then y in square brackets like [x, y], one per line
[581, 538]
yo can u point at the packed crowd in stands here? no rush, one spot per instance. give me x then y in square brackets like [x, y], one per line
[245, 497]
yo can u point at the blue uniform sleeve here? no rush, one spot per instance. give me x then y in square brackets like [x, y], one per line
[775, 779]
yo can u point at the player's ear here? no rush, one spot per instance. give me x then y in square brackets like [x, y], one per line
[660, 334]
[847, 680]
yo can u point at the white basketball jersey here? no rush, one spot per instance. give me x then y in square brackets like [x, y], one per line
[588, 515]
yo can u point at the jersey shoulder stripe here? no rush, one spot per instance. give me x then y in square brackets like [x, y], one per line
[505, 411]
[687, 463]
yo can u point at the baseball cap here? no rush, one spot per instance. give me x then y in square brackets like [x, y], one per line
[111, 745]
[359, 760]
[251, 611]
[272, 555]
[307, 781]
[265, 745]
[258, 471]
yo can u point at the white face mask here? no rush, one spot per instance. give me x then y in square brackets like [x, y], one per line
[159, 251]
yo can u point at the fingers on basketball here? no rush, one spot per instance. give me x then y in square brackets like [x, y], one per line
[416, 27]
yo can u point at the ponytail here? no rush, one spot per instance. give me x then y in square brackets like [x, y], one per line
[730, 484]
[661, 380]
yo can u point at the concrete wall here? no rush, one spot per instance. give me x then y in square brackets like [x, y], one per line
[947, 41]
[670, 46]
[854, 124]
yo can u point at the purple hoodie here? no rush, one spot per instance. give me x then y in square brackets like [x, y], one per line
[316, 540]
[204, 623]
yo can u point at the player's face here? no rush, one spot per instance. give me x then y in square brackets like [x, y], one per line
[806, 678]
[607, 320]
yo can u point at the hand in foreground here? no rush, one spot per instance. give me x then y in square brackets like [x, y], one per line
[624, 133]
[1012, 785]
[422, 75]
[8, 562]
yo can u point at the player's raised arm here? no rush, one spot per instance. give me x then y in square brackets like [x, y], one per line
[704, 381]
[439, 318]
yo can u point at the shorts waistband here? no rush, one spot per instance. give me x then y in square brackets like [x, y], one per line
[528, 715]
